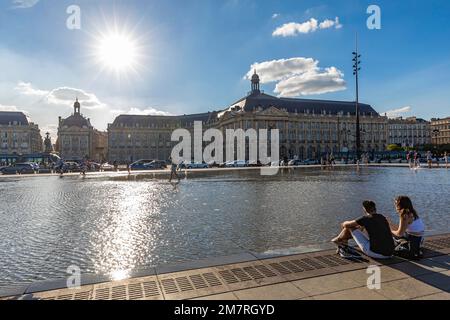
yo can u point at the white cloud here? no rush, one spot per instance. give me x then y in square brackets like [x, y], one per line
[27, 89]
[61, 95]
[298, 76]
[275, 15]
[66, 95]
[318, 81]
[147, 112]
[274, 70]
[330, 23]
[398, 112]
[24, 4]
[8, 108]
[293, 28]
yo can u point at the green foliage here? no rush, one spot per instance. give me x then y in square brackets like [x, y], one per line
[394, 147]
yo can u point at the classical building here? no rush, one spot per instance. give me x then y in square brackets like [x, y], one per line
[134, 137]
[409, 132]
[308, 128]
[18, 135]
[77, 138]
[440, 129]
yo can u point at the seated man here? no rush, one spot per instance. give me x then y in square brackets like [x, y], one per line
[379, 243]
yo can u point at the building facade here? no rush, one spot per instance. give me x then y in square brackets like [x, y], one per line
[440, 129]
[307, 128]
[77, 138]
[18, 135]
[409, 132]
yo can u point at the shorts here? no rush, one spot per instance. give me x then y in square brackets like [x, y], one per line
[363, 243]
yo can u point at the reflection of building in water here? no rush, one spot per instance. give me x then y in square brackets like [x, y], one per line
[308, 128]
[77, 138]
[440, 129]
[18, 135]
[409, 132]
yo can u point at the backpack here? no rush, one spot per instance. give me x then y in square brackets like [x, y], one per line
[409, 247]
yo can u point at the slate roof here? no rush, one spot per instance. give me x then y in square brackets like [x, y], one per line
[295, 105]
[7, 117]
[76, 120]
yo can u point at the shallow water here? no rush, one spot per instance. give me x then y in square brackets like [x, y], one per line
[107, 224]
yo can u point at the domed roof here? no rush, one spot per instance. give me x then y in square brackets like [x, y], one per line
[76, 120]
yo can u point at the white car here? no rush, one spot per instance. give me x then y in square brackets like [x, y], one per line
[235, 164]
[195, 165]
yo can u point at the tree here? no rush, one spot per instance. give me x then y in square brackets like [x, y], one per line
[394, 147]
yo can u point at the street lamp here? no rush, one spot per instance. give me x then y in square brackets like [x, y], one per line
[356, 68]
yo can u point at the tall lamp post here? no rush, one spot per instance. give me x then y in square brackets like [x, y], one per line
[356, 68]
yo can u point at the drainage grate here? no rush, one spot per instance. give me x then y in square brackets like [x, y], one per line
[212, 279]
[189, 283]
[119, 293]
[102, 294]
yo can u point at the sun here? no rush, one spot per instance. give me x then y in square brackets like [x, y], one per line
[117, 52]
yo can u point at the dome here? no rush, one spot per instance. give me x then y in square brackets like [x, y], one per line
[76, 120]
[255, 77]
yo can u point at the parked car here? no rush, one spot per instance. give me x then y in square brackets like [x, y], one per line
[193, 165]
[159, 164]
[310, 162]
[22, 168]
[71, 166]
[141, 164]
[295, 162]
[254, 163]
[107, 167]
[213, 164]
[275, 163]
[443, 159]
[240, 163]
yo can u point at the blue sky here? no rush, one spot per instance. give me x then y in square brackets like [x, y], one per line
[194, 55]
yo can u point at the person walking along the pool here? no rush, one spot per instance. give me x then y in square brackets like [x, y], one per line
[429, 159]
[378, 242]
[446, 159]
[173, 170]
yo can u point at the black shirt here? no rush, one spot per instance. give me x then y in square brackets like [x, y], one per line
[380, 235]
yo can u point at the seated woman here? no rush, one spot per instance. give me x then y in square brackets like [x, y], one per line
[410, 230]
[379, 243]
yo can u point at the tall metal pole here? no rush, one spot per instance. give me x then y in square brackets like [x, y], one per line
[356, 69]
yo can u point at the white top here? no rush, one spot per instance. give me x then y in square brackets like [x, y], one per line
[417, 227]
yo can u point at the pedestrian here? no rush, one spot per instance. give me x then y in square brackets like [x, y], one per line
[128, 167]
[408, 158]
[446, 159]
[173, 170]
[116, 165]
[429, 159]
